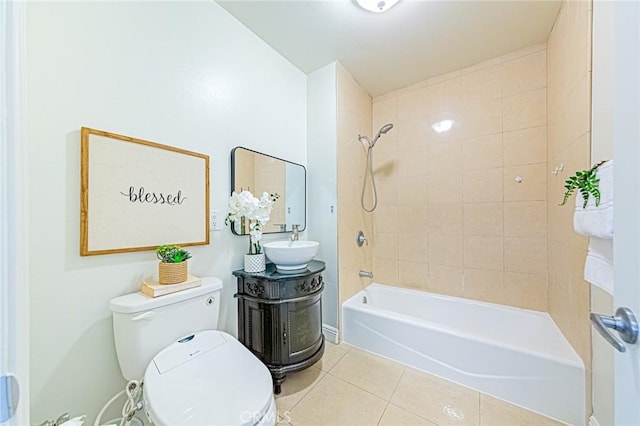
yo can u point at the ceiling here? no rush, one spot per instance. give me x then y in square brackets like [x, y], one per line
[413, 41]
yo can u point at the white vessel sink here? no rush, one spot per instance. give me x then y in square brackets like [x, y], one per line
[291, 255]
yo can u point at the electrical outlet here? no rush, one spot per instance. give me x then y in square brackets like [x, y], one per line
[216, 220]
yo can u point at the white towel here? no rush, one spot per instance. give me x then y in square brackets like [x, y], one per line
[598, 267]
[597, 221]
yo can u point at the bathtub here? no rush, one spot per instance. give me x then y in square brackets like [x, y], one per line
[516, 355]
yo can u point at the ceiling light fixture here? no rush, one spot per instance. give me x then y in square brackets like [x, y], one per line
[376, 6]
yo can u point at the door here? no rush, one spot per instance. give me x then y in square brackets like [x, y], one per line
[626, 148]
[14, 336]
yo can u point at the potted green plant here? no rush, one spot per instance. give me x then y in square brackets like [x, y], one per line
[587, 182]
[172, 268]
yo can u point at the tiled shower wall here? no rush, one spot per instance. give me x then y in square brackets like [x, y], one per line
[353, 118]
[569, 136]
[464, 212]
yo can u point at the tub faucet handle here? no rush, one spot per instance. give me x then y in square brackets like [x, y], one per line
[361, 239]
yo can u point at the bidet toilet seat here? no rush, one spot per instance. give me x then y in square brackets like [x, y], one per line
[208, 378]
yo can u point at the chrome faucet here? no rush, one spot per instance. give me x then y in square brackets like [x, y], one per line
[294, 233]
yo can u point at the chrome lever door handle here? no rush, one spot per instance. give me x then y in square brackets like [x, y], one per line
[624, 322]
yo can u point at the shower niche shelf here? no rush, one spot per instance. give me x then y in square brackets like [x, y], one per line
[280, 317]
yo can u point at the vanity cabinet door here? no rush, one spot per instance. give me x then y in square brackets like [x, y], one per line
[304, 325]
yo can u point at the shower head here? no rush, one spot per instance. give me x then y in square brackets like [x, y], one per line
[384, 129]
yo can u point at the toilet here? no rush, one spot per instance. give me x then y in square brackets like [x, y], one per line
[193, 374]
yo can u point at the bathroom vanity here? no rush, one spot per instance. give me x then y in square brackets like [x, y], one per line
[280, 317]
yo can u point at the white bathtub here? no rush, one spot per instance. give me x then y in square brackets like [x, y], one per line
[514, 354]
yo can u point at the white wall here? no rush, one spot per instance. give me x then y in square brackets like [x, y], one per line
[602, 149]
[179, 73]
[322, 172]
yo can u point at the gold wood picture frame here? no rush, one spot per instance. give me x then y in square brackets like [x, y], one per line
[137, 194]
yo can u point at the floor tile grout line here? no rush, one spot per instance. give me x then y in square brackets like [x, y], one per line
[308, 390]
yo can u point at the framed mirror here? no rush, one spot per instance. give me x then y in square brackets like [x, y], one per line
[258, 173]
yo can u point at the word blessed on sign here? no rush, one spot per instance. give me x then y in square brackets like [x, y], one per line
[141, 196]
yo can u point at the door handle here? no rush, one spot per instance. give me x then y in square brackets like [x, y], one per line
[9, 397]
[624, 322]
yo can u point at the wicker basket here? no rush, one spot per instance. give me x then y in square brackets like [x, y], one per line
[172, 273]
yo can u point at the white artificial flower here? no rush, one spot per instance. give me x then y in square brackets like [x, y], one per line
[256, 210]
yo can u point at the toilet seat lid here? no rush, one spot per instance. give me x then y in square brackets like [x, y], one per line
[207, 379]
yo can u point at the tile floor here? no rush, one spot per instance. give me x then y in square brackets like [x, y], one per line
[351, 387]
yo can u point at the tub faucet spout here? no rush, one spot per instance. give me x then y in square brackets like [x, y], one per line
[365, 274]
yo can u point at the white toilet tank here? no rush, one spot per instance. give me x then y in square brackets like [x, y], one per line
[143, 326]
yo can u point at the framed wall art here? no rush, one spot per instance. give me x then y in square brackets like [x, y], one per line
[138, 194]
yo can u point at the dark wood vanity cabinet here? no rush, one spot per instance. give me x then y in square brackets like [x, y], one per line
[280, 317]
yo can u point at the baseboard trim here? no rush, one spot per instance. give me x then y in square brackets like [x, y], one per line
[331, 334]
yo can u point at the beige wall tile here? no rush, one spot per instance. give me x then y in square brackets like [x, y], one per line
[411, 135]
[427, 396]
[412, 219]
[387, 190]
[483, 284]
[528, 255]
[454, 184]
[455, 133]
[385, 245]
[525, 219]
[446, 280]
[528, 291]
[482, 185]
[525, 146]
[413, 247]
[385, 111]
[524, 110]
[412, 104]
[524, 74]
[444, 96]
[446, 250]
[483, 118]
[385, 271]
[484, 152]
[481, 85]
[445, 219]
[444, 156]
[578, 109]
[483, 252]
[444, 187]
[533, 186]
[483, 219]
[386, 219]
[412, 191]
[413, 274]
[411, 164]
